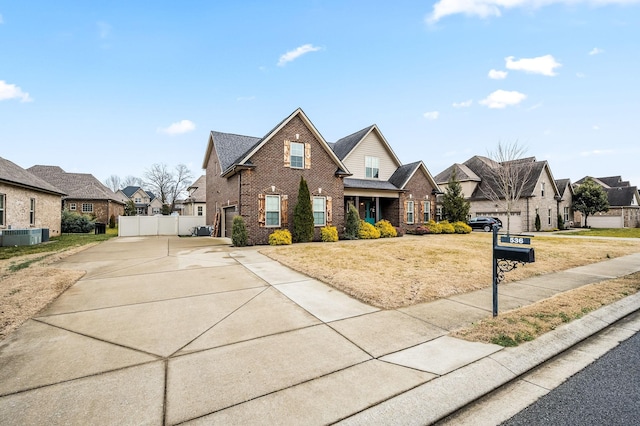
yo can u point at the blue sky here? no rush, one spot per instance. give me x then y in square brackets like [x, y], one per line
[113, 87]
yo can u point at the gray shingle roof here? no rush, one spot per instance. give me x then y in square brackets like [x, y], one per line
[621, 196]
[345, 145]
[11, 173]
[484, 168]
[231, 148]
[463, 173]
[82, 186]
[403, 173]
[562, 185]
[369, 184]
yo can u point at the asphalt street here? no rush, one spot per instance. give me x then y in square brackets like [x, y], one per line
[607, 392]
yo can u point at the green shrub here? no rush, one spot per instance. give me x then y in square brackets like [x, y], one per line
[239, 235]
[433, 227]
[537, 224]
[112, 221]
[462, 228]
[560, 222]
[352, 227]
[386, 229]
[329, 234]
[446, 227]
[303, 215]
[76, 223]
[280, 237]
[368, 231]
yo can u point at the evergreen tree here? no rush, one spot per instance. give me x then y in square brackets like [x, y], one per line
[239, 235]
[455, 207]
[303, 215]
[590, 198]
[130, 208]
[538, 225]
[352, 227]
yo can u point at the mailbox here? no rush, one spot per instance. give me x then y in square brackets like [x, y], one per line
[517, 254]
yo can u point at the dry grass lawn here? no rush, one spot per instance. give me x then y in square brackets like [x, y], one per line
[527, 323]
[396, 272]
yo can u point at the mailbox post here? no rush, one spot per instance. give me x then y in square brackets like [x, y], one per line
[507, 258]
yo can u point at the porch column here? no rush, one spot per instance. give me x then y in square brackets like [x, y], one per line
[358, 205]
[377, 209]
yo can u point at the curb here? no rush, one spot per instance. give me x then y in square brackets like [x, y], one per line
[441, 397]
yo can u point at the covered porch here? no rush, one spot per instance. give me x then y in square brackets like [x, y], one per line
[374, 200]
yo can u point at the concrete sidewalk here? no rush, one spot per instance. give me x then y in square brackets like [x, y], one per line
[168, 330]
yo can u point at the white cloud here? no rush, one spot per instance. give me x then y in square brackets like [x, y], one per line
[11, 91]
[544, 65]
[432, 115]
[488, 8]
[296, 53]
[502, 98]
[464, 104]
[596, 51]
[498, 75]
[178, 128]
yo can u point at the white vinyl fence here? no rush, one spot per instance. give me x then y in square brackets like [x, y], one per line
[136, 226]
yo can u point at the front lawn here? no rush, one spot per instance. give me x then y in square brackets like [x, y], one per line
[609, 232]
[396, 272]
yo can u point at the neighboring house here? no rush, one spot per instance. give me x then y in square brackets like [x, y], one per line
[565, 202]
[196, 202]
[145, 202]
[84, 193]
[258, 178]
[539, 195]
[26, 201]
[624, 204]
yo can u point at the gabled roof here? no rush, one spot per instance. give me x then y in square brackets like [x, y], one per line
[235, 151]
[484, 168]
[199, 188]
[404, 173]
[562, 185]
[345, 146]
[370, 184]
[13, 174]
[463, 174]
[130, 190]
[81, 186]
[622, 196]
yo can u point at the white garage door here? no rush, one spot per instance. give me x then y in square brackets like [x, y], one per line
[515, 225]
[605, 222]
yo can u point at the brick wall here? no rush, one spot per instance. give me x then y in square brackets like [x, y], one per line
[417, 189]
[101, 209]
[18, 205]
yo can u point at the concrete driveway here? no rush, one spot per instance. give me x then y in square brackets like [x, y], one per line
[168, 330]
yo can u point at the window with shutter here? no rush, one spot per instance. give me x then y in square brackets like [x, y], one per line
[319, 211]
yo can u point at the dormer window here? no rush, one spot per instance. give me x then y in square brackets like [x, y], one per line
[371, 167]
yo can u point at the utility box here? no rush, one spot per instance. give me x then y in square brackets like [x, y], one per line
[21, 237]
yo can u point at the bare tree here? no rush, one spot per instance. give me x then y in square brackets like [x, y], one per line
[131, 181]
[113, 182]
[165, 184]
[508, 176]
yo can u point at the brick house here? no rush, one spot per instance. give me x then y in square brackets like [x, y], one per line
[145, 202]
[258, 178]
[26, 201]
[624, 204]
[539, 195]
[84, 193]
[196, 202]
[565, 203]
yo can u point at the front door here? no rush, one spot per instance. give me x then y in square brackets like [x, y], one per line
[370, 212]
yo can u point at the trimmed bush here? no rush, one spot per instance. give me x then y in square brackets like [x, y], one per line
[329, 234]
[76, 223]
[303, 215]
[386, 229]
[433, 227]
[462, 228]
[538, 225]
[112, 221]
[368, 231]
[239, 235]
[446, 227]
[280, 237]
[352, 227]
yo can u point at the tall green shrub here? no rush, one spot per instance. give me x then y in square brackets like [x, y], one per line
[76, 223]
[239, 235]
[112, 221]
[303, 215]
[352, 227]
[538, 224]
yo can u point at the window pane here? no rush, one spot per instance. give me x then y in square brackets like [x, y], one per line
[297, 155]
[319, 204]
[272, 214]
[273, 203]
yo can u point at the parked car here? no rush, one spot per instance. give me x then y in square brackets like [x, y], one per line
[484, 223]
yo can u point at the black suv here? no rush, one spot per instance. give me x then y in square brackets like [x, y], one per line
[484, 223]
